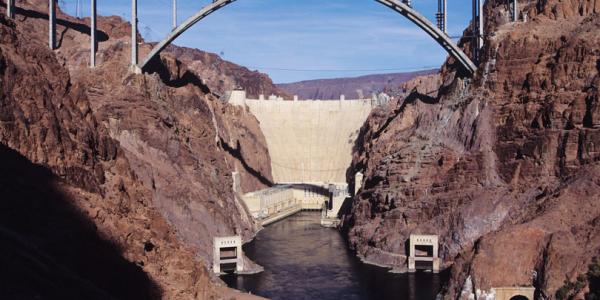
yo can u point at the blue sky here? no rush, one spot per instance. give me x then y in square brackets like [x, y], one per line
[315, 38]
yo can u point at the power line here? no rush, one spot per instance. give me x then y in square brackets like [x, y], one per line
[344, 70]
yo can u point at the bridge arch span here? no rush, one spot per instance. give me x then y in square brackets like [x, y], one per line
[396, 5]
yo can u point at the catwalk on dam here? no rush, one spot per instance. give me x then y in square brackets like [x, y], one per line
[304, 260]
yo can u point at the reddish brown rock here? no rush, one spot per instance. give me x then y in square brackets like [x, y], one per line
[223, 76]
[497, 166]
[72, 208]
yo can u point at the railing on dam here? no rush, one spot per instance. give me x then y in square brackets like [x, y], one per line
[239, 98]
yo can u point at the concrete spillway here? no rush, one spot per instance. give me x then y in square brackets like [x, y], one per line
[309, 141]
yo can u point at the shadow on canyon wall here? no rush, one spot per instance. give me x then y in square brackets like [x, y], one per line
[237, 153]
[50, 250]
[156, 65]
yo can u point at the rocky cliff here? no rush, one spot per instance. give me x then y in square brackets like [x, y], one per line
[503, 167]
[113, 171]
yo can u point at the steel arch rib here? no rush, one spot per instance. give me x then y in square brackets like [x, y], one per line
[189, 22]
[405, 10]
[439, 36]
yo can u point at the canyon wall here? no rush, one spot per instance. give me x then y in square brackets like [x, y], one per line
[143, 162]
[75, 221]
[503, 166]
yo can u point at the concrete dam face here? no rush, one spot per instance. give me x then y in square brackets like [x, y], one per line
[309, 141]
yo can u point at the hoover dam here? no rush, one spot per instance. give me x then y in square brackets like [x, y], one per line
[309, 141]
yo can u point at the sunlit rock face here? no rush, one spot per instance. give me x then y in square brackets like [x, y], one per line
[503, 167]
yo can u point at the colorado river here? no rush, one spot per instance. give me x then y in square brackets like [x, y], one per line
[303, 260]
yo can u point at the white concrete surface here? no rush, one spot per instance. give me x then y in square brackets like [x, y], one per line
[228, 242]
[423, 240]
[309, 141]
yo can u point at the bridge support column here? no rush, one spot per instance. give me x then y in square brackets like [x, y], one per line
[481, 31]
[134, 43]
[10, 9]
[174, 14]
[52, 24]
[93, 41]
[477, 28]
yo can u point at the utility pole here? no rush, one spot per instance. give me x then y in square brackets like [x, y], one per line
[174, 14]
[93, 41]
[134, 43]
[515, 10]
[10, 9]
[52, 24]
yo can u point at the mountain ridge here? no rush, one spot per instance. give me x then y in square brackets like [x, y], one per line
[351, 87]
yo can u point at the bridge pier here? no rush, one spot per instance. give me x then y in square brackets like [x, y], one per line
[93, 41]
[52, 24]
[477, 28]
[481, 30]
[174, 14]
[10, 9]
[134, 43]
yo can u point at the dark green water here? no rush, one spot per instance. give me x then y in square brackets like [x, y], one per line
[303, 260]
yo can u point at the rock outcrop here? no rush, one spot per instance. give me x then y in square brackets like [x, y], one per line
[503, 167]
[223, 76]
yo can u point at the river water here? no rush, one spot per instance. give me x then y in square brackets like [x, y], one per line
[304, 260]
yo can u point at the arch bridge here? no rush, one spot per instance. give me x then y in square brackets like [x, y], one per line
[437, 32]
